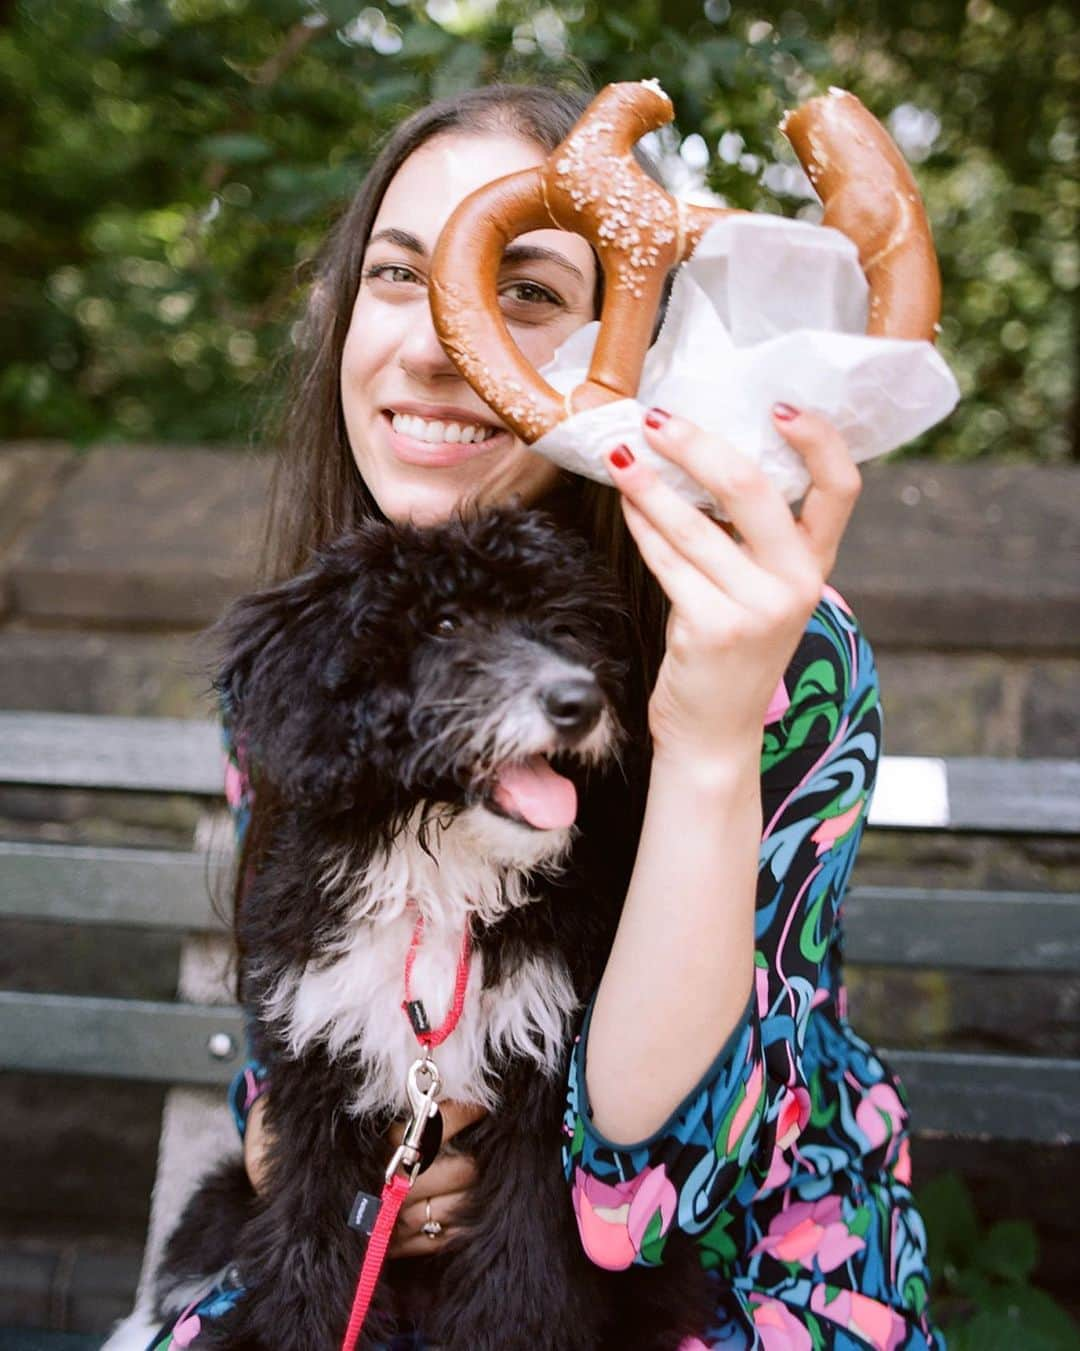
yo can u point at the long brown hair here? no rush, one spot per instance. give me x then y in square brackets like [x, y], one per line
[316, 489]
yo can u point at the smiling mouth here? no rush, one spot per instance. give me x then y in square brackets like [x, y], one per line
[440, 443]
[441, 431]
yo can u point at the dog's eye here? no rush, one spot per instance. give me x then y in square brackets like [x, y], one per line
[564, 633]
[446, 624]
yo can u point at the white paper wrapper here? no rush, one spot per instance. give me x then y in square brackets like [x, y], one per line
[766, 310]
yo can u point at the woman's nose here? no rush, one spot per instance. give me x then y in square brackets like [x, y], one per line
[421, 353]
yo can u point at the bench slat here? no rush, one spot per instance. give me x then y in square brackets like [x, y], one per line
[1008, 1097]
[1002, 1097]
[965, 930]
[119, 1038]
[1014, 795]
[154, 888]
[184, 755]
[977, 794]
[888, 926]
[70, 750]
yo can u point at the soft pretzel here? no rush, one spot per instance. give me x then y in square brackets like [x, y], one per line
[870, 196]
[592, 185]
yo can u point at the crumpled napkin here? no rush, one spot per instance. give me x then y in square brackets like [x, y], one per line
[765, 310]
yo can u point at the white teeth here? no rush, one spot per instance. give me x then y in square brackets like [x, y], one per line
[439, 433]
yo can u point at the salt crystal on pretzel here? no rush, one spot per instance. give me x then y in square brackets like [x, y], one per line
[592, 185]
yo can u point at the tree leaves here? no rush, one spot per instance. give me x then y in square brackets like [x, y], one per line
[982, 1290]
[237, 148]
[246, 126]
[951, 1223]
[1009, 1250]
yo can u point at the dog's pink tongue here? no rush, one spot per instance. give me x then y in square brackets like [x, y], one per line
[536, 793]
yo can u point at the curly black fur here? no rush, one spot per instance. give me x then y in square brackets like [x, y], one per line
[362, 693]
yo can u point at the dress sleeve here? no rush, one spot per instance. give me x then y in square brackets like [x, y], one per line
[251, 1081]
[238, 791]
[820, 750]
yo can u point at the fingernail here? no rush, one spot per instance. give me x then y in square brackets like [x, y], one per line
[656, 417]
[622, 457]
[784, 412]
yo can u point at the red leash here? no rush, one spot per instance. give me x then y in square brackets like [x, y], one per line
[390, 1203]
[414, 1010]
[408, 1161]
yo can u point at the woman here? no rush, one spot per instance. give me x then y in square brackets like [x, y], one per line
[716, 1086]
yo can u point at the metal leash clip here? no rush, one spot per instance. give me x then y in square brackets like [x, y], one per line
[423, 1133]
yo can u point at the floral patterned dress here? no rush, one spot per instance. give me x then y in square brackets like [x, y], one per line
[788, 1164]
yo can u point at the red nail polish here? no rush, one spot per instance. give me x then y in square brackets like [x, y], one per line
[784, 412]
[656, 417]
[622, 457]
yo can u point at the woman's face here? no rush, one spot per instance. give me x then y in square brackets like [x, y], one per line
[420, 436]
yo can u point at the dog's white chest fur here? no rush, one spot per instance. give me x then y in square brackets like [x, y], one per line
[351, 1000]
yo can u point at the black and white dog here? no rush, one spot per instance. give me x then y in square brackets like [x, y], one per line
[434, 720]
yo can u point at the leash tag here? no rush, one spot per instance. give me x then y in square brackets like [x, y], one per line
[418, 1016]
[364, 1213]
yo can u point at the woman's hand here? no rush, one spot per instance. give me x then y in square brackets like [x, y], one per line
[257, 1144]
[738, 609]
[443, 1186]
[439, 1191]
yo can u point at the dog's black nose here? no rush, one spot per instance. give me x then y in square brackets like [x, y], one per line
[573, 705]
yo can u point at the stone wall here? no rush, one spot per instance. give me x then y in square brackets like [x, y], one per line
[965, 578]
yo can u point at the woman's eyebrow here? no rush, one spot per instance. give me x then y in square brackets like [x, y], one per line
[536, 253]
[402, 238]
[515, 253]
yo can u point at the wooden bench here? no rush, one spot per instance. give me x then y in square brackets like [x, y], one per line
[197, 1043]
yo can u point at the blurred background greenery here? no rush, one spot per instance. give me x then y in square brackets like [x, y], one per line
[171, 167]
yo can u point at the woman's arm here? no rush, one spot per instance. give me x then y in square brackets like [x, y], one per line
[738, 611]
[680, 971]
[741, 1126]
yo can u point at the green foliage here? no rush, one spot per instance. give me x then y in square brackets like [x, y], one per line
[174, 164]
[983, 1296]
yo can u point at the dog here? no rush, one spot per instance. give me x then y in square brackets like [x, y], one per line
[438, 727]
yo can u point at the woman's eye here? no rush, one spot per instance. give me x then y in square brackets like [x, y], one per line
[529, 293]
[391, 272]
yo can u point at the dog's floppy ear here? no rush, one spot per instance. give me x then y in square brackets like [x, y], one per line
[282, 655]
[252, 626]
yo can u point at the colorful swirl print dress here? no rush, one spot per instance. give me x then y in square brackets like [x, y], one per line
[788, 1163]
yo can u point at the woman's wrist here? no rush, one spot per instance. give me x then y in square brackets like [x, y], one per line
[715, 773]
